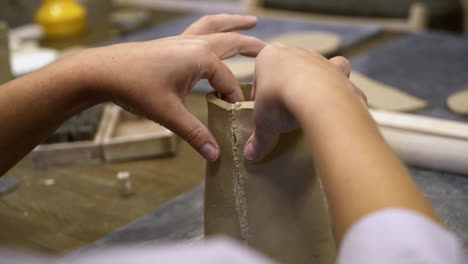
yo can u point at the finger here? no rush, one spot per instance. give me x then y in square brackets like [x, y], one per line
[187, 126]
[343, 64]
[361, 94]
[253, 93]
[260, 144]
[220, 23]
[227, 45]
[222, 80]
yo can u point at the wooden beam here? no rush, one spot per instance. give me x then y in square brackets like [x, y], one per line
[425, 141]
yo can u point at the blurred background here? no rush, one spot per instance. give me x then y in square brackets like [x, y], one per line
[68, 194]
[444, 14]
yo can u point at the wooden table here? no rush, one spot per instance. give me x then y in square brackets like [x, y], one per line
[182, 218]
[84, 205]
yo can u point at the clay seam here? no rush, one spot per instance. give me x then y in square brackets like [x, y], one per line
[238, 178]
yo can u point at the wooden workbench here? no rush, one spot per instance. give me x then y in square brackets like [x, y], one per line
[84, 205]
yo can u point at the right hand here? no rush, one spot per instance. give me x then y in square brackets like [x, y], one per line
[283, 75]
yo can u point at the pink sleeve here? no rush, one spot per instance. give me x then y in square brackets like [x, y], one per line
[212, 251]
[399, 236]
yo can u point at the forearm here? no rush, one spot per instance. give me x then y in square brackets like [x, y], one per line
[33, 106]
[359, 172]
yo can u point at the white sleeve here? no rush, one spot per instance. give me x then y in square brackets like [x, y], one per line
[212, 251]
[399, 236]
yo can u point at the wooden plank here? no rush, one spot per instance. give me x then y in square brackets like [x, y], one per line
[120, 136]
[84, 152]
[417, 20]
[391, 24]
[427, 150]
[425, 141]
[69, 153]
[421, 124]
[131, 137]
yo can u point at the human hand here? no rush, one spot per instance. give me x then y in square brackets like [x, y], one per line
[153, 78]
[284, 75]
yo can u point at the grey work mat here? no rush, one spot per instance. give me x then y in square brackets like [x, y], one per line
[182, 218]
[265, 29]
[431, 66]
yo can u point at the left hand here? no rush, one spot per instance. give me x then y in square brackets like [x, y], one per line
[153, 78]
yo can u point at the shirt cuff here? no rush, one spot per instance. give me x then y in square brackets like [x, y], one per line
[399, 236]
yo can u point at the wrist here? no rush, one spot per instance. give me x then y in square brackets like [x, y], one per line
[309, 101]
[81, 72]
[65, 85]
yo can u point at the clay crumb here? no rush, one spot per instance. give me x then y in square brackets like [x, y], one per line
[48, 182]
[237, 105]
[238, 179]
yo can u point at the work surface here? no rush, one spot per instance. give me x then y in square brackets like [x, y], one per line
[182, 218]
[429, 65]
[83, 205]
[424, 69]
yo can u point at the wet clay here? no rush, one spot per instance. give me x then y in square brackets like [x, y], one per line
[324, 43]
[458, 102]
[241, 67]
[276, 205]
[386, 97]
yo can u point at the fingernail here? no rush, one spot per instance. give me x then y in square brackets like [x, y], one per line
[209, 152]
[252, 18]
[250, 152]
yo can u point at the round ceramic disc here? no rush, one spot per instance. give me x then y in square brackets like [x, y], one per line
[242, 68]
[27, 61]
[323, 42]
[458, 102]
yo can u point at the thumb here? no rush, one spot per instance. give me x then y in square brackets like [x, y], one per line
[222, 80]
[187, 126]
[260, 144]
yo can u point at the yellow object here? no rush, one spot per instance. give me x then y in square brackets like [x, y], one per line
[61, 18]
